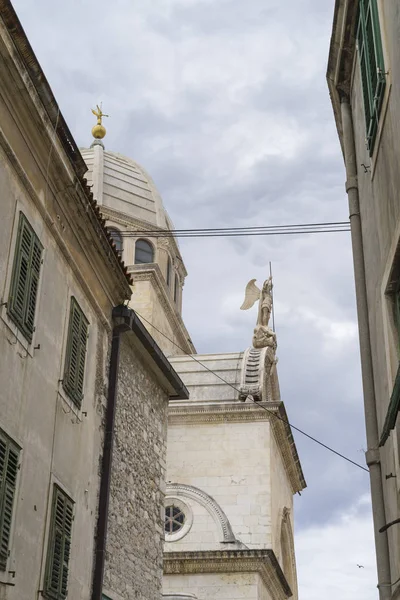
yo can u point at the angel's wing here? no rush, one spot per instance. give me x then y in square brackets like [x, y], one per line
[95, 112]
[252, 294]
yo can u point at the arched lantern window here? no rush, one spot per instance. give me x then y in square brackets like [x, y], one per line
[169, 269]
[116, 238]
[144, 252]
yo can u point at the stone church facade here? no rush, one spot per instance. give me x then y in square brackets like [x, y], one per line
[107, 446]
[232, 470]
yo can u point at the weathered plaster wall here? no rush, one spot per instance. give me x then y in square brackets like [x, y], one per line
[59, 443]
[136, 521]
[380, 215]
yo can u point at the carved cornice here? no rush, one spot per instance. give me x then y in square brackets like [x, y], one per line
[211, 505]
[287, 448]
[151, 272]
[219, 413]
[236, 412]
[263, 562]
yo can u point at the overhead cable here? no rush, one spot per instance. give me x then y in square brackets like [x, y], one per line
[265, 230]
[310, 437]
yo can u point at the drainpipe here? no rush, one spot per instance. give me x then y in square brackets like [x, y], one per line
[104, 496]
[371, 423]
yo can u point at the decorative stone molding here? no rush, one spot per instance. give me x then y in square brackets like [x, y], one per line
[287, 448]
[236, 412]
[218, 413]
[190, 491]
[140, 225]
[163, 243]
[257, 375]
[287, 551]
[263, 562]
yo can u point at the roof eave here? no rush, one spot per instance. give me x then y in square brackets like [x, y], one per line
[341, 56]
[152, 353]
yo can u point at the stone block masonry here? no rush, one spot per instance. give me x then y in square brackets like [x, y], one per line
[136, 531]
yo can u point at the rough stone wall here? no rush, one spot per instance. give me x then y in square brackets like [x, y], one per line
[136, 531]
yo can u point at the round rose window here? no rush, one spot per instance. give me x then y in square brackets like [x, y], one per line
[174, 519]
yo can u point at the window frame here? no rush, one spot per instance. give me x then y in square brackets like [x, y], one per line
[372, 67]
[74, 383]
[152, 252]
[188, 519]
[58, 594]
[12, 481]
[22, 310]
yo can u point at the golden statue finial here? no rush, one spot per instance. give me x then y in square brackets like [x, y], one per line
[99, 131]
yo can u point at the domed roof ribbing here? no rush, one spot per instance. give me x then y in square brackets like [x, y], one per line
[121, 184]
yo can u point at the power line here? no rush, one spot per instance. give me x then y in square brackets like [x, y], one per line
[265, 230]
[323, 224]
[310, 437]
[174, 234]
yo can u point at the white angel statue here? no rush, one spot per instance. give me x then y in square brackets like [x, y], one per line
[263, 335]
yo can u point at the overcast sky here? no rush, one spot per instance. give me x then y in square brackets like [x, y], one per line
[225, 103]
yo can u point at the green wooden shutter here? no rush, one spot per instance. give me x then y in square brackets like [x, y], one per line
[394, 403]
[372, 66]
[9, 455]
[25, 278]
[59, 547]
[75, 358]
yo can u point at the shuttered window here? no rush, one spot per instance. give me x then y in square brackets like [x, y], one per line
[75, 357]
[25, 278]
[9, 454]
[372, 67]
[59, 546]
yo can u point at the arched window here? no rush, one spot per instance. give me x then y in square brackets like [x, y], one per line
[116, 238]
[144, 252]
[176, 289]
[287, 552]
[169, 268]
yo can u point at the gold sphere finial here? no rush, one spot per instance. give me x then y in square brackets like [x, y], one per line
[99, 131]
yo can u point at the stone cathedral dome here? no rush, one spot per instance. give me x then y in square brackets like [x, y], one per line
[134, 212]
[123, 185]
